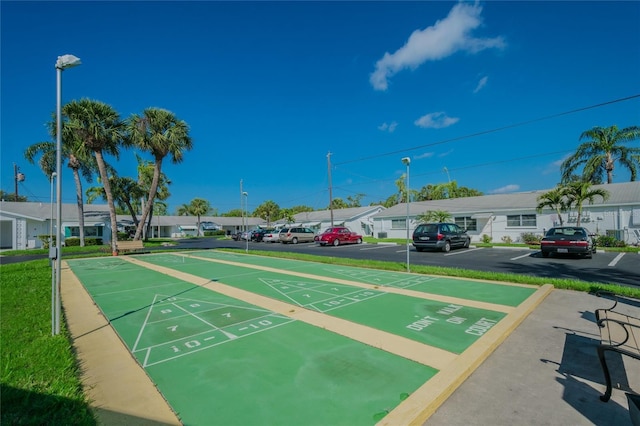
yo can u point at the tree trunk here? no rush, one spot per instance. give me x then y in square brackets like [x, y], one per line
[112, 208]
[152, 195]
[79, 202]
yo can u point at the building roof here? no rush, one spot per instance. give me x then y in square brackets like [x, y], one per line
[627, 193]
[339, 215]
[42, 211]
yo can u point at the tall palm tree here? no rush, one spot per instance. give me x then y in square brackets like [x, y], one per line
[602, 149]
[553, 199]
[145, 179]
[577, 193]
[76, 158]
[101, 131]
[160, 133]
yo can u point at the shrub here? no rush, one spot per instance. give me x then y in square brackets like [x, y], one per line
[507, 239]
[486, 238]
[530, 238]
[608, 241]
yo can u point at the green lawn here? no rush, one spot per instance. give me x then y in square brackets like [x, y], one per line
[40, 378]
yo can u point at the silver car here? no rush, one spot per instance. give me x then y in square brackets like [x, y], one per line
[296, 234]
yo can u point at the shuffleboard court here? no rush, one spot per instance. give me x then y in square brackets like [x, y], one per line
[448, 326]
[242, 339]
[499, 293]
[219, 360]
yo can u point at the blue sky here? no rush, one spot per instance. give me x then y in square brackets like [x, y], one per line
[270, 88]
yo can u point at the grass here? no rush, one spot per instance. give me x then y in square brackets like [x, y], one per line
[39, 379]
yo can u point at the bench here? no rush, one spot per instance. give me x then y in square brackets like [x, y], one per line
[126, 246]
[619, 332]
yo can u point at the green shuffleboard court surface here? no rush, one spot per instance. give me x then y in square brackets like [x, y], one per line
[503, 294]
[238, 339]
[219, 360]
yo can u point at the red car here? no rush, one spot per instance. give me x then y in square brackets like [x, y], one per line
[338, 235]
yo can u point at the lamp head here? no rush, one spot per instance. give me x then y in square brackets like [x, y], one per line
[245, 194]
[67, 61]
[406, 161]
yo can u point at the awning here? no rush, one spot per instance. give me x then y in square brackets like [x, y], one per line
[481, 215]
[188, 227]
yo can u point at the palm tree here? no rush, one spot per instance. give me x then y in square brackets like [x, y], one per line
[577, 193]
[159, 132]
[77, 159]
[99, 128]
[125, 193]
[197, 207]
[268, 211]
[553, 199]
[604, 146]
[439, 216]
[145, 179]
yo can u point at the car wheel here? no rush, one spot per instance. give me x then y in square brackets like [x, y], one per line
[447, 247]
[336, 242]
[359, 241]
[544, 254]
[294, 240]
[467, 243]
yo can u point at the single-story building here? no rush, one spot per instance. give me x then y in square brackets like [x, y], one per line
[23, 223]
[507, 216]
[358, 219]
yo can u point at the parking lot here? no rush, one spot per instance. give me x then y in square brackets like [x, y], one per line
[605, 267]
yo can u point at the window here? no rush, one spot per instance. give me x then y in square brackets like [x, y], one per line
[467, 223]
[522, 220]
[89, 231]
[398, 224]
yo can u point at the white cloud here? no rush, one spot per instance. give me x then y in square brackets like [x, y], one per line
[436, 120]
[481, 84]
[388, 127]
[442, 39]
[505, 189]
[425, 155]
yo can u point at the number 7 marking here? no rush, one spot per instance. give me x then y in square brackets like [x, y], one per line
[173, 327]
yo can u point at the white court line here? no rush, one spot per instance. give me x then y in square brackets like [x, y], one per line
[616, 259]
[524, 255]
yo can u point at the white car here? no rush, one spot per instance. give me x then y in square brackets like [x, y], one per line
[271, 237]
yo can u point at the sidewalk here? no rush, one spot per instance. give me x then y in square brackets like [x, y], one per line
[546, 373]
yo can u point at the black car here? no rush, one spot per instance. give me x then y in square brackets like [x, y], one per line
[258, 234]
[568, 240]
[440, 236]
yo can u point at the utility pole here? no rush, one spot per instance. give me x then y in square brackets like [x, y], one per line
[18, 177]
[330, 194]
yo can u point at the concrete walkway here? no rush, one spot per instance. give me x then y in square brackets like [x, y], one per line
[546, 372]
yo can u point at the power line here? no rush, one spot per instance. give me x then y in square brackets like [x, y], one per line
[485, 132]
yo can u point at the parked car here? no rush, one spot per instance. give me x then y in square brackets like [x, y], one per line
[440, 236]
[296, 235]
[271, 236]
[338, 235]
[258, 234]
[568, 240]
[237, 235]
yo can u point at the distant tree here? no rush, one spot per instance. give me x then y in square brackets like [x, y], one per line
[434, 216]
[553, 199]
[577, 193]
[287, 215]
[444, 191]
[126, 192]
[146, 171]
[197, 207]
[10, 196]
[338, 203]
[300, 209]
[355, 200]
[268, 211]
[160, 133]
[233, 213]
[602, 149]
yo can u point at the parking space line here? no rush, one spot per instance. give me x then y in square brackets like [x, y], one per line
[616, 259]
[461, 252]
[524, 255]
[377, 247]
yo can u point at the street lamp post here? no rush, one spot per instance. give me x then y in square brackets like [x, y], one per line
[407, 161]
[53, 269]
[63, 62]
[246, 207]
